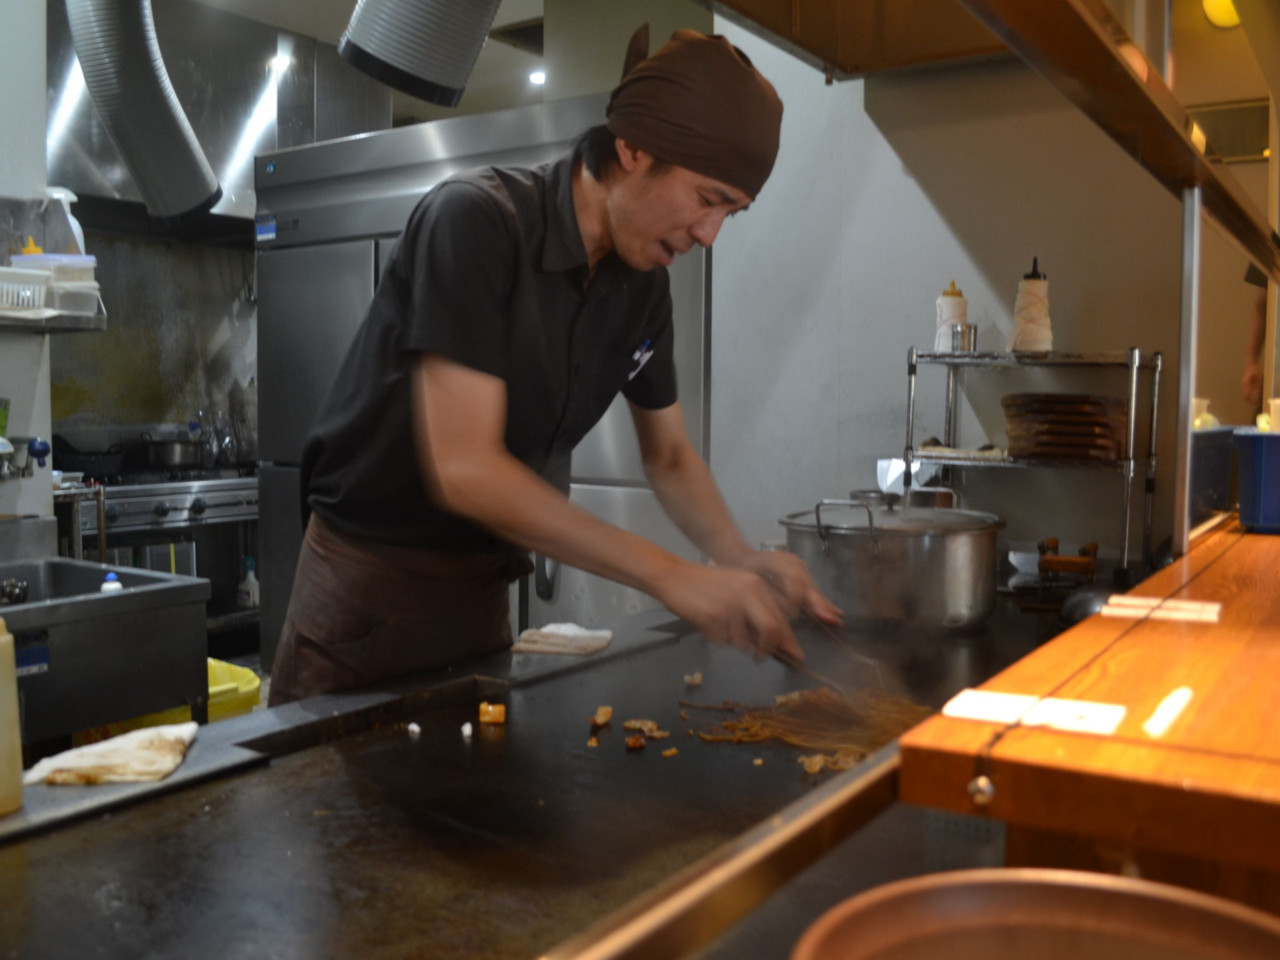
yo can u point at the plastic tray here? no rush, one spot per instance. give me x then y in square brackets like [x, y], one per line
[1259, 481]
[23, 289]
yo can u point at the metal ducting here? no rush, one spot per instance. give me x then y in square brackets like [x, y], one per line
[115, 41]
[425, 48]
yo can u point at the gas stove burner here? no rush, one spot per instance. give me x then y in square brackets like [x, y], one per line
[139, 503]
[137, 478]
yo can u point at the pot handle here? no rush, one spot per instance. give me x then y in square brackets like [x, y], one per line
[822, 531]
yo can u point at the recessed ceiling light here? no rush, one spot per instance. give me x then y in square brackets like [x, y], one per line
[538, 77]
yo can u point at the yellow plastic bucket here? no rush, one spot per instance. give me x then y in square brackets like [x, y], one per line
[232, 691]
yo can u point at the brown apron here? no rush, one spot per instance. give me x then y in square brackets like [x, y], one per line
[363, 611]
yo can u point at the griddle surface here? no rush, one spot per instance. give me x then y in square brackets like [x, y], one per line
[385, 845]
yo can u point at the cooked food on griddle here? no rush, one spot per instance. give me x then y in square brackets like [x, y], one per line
[636, 742]
[649, 728]
[844, 730]
[602, 716]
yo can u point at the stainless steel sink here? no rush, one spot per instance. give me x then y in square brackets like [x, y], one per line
[87, 658]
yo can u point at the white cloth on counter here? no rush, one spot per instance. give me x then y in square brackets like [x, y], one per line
[151, 753]
[563, 638]
[1032, 331]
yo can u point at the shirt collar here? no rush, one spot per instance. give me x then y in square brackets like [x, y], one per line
[563, 248]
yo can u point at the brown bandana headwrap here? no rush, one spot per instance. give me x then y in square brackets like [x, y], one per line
[700, 104]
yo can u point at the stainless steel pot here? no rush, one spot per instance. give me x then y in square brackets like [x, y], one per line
[171, 454]
[919, 565]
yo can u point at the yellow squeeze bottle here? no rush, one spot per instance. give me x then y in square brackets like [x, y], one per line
[10, 731]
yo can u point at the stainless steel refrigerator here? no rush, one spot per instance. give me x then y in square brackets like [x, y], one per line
[328, 218]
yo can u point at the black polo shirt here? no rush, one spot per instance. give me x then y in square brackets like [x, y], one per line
[491, 272]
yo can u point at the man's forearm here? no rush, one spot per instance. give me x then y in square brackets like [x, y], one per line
[506, 497]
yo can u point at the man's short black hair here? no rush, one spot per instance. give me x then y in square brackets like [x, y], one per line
[595, 149]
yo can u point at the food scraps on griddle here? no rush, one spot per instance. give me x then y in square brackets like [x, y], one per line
[844, 730]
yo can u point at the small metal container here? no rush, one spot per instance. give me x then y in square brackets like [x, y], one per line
[964, 338]
[880, 563]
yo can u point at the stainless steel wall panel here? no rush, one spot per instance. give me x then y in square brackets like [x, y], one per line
[279, 540]
[354, 102]
[296, 92]
[310, 303]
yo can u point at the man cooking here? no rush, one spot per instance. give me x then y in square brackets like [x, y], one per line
[517, 305]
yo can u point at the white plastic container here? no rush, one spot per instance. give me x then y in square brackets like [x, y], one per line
[62, 267]
[23, 289]
[76, 298]
[10, 729]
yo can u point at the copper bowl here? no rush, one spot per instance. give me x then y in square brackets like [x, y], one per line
[1014, 914]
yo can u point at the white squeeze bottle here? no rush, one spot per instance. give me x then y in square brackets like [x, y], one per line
[10, 731]
[953, 311]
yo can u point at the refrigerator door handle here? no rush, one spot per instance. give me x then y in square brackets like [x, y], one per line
[544, 576]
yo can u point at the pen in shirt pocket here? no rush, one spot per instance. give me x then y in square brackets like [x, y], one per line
[640, 352]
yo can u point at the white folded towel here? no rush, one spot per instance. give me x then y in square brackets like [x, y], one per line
[563, 638]
[151, 753]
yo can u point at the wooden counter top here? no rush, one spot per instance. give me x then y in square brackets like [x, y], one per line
[1208, 787]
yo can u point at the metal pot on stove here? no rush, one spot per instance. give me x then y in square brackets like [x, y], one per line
[170, 454]
[880, 562]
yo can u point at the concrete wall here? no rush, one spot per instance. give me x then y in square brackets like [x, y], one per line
[181, 339]
[884, 191]
[585, 41]
[24, 358]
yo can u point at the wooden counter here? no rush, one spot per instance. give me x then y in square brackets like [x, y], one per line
[1197, 805]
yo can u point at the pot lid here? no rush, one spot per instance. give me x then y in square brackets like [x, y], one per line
[851, 516]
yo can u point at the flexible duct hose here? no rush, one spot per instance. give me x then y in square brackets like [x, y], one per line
[425, 48]
[124, 73]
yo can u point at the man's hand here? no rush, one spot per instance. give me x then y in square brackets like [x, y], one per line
[791, 580]
[734, 607]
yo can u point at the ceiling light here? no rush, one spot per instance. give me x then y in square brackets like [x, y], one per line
[538, 77]
[1221, 13]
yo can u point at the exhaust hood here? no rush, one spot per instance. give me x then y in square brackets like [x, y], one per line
[124, 73]
[245, 89]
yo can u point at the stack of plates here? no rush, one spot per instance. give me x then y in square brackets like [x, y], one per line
[1065, 426]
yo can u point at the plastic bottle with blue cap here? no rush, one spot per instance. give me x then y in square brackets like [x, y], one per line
[111, 583]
